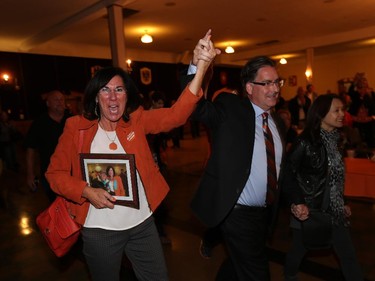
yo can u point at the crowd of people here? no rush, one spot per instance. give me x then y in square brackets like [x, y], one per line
[359, 122]
[279, 152]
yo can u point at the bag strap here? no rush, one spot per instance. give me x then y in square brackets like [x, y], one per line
[80, 144]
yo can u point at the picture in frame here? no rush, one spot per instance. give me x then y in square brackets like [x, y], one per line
[114, 173]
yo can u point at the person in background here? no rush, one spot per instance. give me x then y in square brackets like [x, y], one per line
[310, 92]
[281, 103]
[157, 142]
[315, 163]
[41, 140]
[291, 133]
[229, 84]
[362, 109]
[234, 192]
[298, 107]
[176, 134]
[114, 122]
[9, 136]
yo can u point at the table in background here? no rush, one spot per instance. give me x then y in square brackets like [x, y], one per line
[360, 178]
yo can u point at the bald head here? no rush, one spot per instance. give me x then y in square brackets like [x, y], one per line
[55, 102]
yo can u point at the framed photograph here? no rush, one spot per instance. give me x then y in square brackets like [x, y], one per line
[114, 173]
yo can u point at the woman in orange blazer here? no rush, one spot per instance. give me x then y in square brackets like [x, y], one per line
[114, 122]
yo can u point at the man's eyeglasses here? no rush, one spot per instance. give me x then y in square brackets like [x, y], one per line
[278, 83]
[118, 91]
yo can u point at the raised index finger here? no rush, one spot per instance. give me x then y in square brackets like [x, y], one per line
[207, 37]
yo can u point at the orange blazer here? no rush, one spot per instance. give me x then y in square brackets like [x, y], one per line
[120, 191]
[64, 172]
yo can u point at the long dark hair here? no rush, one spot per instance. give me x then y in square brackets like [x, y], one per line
[318, 110]
[91, 110]
[113, 169]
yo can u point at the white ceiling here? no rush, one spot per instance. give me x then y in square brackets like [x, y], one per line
[253, 27]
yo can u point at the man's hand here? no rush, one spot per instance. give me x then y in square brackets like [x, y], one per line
[347, 211]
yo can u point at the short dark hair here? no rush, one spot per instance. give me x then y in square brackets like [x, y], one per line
[250, 70]
[101, 78]
[318, 110]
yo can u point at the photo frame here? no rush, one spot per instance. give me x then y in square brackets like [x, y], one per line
[114, 173]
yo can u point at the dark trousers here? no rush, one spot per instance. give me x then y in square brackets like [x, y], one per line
[104, 250]
[245, 233]
[342, 245]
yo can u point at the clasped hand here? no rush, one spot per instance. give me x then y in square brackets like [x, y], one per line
[205, 52]
[300, 211]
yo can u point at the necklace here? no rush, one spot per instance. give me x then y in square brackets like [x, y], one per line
[112, 145]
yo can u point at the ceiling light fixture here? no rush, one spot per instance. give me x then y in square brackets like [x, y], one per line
[229, 49]
[283, 61]
[146, 38]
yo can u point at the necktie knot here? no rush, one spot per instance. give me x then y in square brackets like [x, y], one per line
[265, 116]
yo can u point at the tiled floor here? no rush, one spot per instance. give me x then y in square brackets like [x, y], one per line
[25, 256]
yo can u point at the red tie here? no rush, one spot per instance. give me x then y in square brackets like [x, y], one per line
[271, 166]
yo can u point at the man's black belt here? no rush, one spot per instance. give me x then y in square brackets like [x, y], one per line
[249, 208]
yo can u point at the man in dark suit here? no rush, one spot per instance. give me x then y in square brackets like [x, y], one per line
[233, 190]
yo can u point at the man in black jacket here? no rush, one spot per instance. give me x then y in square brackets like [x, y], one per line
[233, 190]
[41, 140]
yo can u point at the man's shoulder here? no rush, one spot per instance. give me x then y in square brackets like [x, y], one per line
[41, 118]
[80, 122]
[230, 100]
